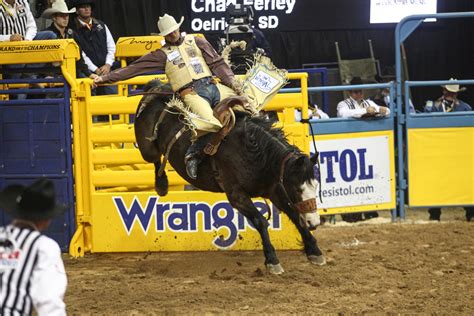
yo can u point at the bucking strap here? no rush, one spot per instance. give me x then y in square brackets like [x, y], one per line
[168, 149]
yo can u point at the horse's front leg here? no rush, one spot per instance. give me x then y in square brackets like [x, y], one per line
[313, 253]
[244, 204]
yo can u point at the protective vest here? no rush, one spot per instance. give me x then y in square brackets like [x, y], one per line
[93, 41]
[185, 63]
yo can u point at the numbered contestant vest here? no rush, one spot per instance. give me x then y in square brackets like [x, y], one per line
[184, 63]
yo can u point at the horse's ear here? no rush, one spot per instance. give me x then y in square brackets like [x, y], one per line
[314, 159]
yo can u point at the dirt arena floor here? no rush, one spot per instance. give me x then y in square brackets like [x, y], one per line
[413, 267]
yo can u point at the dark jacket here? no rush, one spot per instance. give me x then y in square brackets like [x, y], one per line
[259, 41]
[81, 68]
[457, 106]
[94, 41]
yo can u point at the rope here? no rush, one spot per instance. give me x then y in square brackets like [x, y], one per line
[316, 153]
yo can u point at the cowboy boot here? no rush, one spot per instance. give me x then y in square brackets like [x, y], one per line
[194, 155]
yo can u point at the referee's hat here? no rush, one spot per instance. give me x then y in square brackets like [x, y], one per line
[34, 202]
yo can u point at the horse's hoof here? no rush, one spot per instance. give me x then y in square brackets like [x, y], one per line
[161, 186]
[275, 268]
[318, 260]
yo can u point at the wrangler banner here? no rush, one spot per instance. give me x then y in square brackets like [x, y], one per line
[182, 221]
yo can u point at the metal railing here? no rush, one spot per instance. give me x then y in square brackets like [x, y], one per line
[403, 30]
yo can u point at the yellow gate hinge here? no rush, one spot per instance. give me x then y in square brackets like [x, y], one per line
[84, 219]
[79, 95]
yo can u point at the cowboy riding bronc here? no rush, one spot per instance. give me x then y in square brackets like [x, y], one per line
[189, 63]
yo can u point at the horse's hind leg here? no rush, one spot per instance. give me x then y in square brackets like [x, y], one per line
[313, 253]
[244, 204]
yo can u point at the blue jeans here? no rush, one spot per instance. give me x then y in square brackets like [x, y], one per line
[208, 91]
[45, 35]
[104, 90]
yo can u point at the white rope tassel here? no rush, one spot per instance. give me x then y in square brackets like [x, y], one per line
[228, 48]
[177, 104]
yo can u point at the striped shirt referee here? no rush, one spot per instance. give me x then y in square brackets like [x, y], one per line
[34, 275]
[16, 18]
[32, 272]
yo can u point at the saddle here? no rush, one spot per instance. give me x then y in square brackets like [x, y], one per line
[224, 112]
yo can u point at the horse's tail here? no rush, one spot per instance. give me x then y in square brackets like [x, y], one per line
[152, 84]
[156, 89]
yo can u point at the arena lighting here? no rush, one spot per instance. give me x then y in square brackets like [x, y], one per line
[392, 11]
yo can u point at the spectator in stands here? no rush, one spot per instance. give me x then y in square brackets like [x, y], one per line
[37, 8]
[259, 41]
[449, 102]
[357, 107]
[18, 24]
[59, 13]
[32, 272]
[314, 112]
[382, 98]
[95, 40]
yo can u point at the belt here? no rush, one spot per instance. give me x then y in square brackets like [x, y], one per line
[188, 88]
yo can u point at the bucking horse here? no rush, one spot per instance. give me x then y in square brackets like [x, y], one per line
[254, 160]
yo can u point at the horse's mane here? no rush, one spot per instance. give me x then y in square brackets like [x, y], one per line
[267, 147]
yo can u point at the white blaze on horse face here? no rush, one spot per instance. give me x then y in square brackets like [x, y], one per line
[309, 189]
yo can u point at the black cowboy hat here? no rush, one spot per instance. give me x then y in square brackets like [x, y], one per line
[76, 3]
[356, 81]
[34, 202]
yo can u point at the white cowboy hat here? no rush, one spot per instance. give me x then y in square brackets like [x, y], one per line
[454, 87]
[59, 6]
[167, 24]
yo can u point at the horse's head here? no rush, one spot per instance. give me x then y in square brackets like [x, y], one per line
[301, 187]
